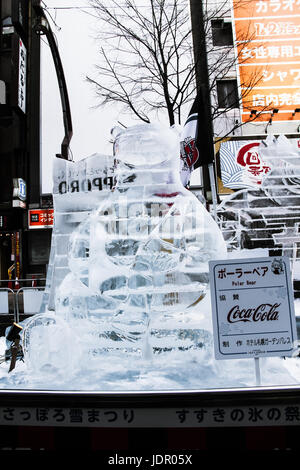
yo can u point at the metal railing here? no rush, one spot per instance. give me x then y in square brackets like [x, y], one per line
[20, 297]
[15, 284]
[28, 301]
[7, 302]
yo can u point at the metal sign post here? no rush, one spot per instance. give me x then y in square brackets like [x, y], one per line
[257, 371]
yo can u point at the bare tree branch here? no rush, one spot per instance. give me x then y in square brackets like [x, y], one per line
[147, 62]
[150, 54]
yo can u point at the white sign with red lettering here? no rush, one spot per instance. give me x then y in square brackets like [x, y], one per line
[253, 308]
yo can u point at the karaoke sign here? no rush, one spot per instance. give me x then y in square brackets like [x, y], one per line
[267, 36]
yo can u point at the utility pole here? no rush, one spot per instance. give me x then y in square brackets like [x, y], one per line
[205, 127]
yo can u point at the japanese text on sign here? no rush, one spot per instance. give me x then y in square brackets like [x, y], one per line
[202, 416]
[253, 310]
[40, 218]
[267, 45]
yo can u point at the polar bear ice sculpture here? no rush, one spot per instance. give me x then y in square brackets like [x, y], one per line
[140, 261]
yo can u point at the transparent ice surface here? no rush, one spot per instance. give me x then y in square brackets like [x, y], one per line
[78, 188]
[132, 301]
[137, 262]
[181, 369]
[44, 341]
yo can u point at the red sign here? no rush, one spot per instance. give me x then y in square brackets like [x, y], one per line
[40, 218]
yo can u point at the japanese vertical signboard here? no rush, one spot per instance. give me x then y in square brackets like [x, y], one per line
[22, 76]
[268, 50]
[253, 308]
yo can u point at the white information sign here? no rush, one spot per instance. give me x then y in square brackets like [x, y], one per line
[253, 308]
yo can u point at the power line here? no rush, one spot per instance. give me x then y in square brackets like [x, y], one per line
[68, 8]
[51, 17]
[85, 8]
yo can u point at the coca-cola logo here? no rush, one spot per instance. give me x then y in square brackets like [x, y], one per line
[264, 312]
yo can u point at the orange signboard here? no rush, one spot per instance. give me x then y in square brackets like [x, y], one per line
[261, 52]
[264, 8]
[282, 100]
[266, 28]
[268, 50]
[40, 218]
[273, 75]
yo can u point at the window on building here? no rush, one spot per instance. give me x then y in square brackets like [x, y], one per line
[2, 92]
[6, 22]
[227, 92]
[221, 33]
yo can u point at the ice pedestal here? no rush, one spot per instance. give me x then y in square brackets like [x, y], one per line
[138, 264]
[50, 347]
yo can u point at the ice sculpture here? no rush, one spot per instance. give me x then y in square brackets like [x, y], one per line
[269, 215]
[139, 263]
[267, 218]
[78, 188]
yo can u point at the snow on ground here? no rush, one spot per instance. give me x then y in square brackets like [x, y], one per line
[175, 370]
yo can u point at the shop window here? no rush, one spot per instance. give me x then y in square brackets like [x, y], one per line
[227, 92]
[221, 33]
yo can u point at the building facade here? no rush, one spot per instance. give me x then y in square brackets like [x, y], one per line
[253, 55]
[254, 66]
[23, 252]
[253, 51]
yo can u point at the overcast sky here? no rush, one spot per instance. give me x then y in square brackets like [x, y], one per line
[76, 37]
[76, 34]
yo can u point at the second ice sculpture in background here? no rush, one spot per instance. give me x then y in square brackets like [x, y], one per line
[267, 217]
[139, 262]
